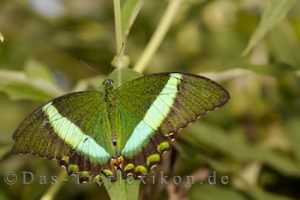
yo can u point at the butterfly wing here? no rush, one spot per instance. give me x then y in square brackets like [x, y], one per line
[73, 129]
[154, 108]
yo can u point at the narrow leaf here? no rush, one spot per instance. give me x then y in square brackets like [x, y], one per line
[237, 148]
[206, 191]
[130, 10]
[1, 37]
[285, 44]
[4, 149]
[274, 13]
[258, 193]
[37, 70]
[93, 83]
[25, 85]
[122, 189]
[292, 130]
[123, 75]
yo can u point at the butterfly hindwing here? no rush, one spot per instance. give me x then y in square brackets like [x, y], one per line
[73, 129]
[154, 108]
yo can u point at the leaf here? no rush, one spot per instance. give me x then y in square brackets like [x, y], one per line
[4, 149]
[1, 38]
[242, 68]
[35, 83]
[122, 189]
[276, 10]
[130, 10]
[93, 83]
[206, 191]
[292, 130]
[123, 75]
[54, 188]
[285, 44]
[36, 70]
[258, 193]
[3, 195]
[192, 158]
[236, 147]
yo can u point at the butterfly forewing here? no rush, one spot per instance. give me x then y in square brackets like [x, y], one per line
[155, 107]
[73, 129]
[133, 100]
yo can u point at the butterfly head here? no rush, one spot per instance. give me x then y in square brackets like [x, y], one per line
[108, 83]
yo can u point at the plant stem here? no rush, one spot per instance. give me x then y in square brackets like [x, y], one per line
[158, 35]
[118, 27]
[50, 194]
[1, 38]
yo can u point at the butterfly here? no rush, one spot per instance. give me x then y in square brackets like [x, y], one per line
[126, 128]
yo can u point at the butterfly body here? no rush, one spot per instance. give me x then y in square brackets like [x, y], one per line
[126, 128]
[110, 100]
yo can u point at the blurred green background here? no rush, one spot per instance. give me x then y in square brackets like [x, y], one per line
[254, 139]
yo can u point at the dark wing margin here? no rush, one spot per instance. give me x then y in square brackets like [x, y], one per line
[197, 95]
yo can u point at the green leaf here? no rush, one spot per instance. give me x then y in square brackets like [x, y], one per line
[35, 83]
[93, 83]
[3, 195]
[292, 130]
[258, 193]
[235, 147]
[54, 188]
[242, 68]
[130, 10]
[123, 75]
[276, 10]
[122, 189]
[1, 38]
[37, 71]
[193, 158]
[4, 149]
[285, 44]
[206, 191]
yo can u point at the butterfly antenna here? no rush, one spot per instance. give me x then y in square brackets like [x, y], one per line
[89, 67]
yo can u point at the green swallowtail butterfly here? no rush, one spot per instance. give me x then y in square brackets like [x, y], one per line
[126, 128]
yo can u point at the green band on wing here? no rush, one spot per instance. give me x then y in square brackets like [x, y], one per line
[73, 136]
[154, 116]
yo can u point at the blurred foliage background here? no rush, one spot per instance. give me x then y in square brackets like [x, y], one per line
[254, 139]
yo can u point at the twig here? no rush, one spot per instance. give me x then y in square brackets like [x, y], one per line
[50, 194]
[158, 35]
[118, 27]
